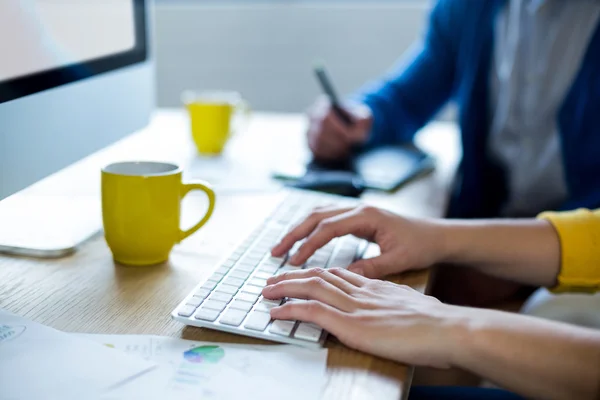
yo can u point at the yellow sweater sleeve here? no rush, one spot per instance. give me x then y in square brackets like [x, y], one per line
[579, 233]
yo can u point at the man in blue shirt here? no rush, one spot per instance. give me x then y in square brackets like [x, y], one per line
[525, 75]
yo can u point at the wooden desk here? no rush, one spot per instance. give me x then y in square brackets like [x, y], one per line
[86, 292]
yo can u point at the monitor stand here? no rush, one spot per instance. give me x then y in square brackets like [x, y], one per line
[47, 226]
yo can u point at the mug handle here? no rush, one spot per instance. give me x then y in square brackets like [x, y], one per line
[241, 117]
[204, 187]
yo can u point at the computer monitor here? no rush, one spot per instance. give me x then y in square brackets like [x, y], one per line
[75, 76]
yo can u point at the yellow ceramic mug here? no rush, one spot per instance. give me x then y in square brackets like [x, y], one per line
[213, 116]
[141, 210]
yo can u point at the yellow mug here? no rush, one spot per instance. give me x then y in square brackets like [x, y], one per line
[141, 204]
[213, 116]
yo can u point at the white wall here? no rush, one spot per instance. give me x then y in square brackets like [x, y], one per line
[266, 51]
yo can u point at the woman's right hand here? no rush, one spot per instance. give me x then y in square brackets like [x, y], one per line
[329, 138]
[406, 244]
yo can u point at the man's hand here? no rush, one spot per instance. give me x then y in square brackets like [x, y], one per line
[377, 317]
[330, 138]
[405, 243]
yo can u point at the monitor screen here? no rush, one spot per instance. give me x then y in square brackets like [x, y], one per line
[47, 43]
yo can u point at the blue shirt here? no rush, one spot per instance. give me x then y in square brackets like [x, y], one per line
[454, 62]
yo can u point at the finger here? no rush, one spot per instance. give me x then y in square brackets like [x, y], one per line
[324, 122]
[334, 124]
[335, 280]
[362, 123]
[323, 113]
[328, 229]
[377, 267]
[303, 229]
[327, 317]
[319, 108]
[327, 146]
[349, 276]
[314, 288]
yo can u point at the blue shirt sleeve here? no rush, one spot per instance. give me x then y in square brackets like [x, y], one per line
[420, 84]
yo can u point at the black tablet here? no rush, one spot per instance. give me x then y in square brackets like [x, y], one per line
[384, 168]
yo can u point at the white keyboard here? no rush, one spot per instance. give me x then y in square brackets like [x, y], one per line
[230, 299]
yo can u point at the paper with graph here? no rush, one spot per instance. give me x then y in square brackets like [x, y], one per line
[38, 362]
[201, 370]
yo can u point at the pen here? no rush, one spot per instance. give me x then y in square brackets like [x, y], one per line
[327, 87]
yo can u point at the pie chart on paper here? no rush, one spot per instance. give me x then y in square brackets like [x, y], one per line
[204, 354]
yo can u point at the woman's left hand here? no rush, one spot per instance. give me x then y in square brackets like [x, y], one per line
[374, 316]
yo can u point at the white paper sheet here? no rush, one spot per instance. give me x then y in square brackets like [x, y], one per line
[201, 370]
[38, 362]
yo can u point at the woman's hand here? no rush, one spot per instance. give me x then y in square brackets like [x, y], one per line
[330, 138]
[405, 243]
[377, 317]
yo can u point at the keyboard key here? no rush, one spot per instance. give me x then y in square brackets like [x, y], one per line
[290, 267]
[340, 263]
[268, 301]
[214, 305]
[186, 311]
[314, 264]
[246, 266]
[281, 327]
[287, 268]
[308, 332]
[223, 270]
[239, 274]
[202, 293]
[237, 282]
[262, 275]
[207, 314]
[251, 237]
[290, 301]
[241, 305]
[257, 321]
[220, 296]
[228, 289]
[249, 297]
[257, 252]
[262, 249]
[266, 306]
[319, 259]
[236, 254]
[261, 283]
[268, 268]
[233, 317]
[276, 260]
[273, 263]
[252, 289]
[273, 233]
[209, 285]
[194, 301]
[296, 246]
[216, 276]
[229, 263]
